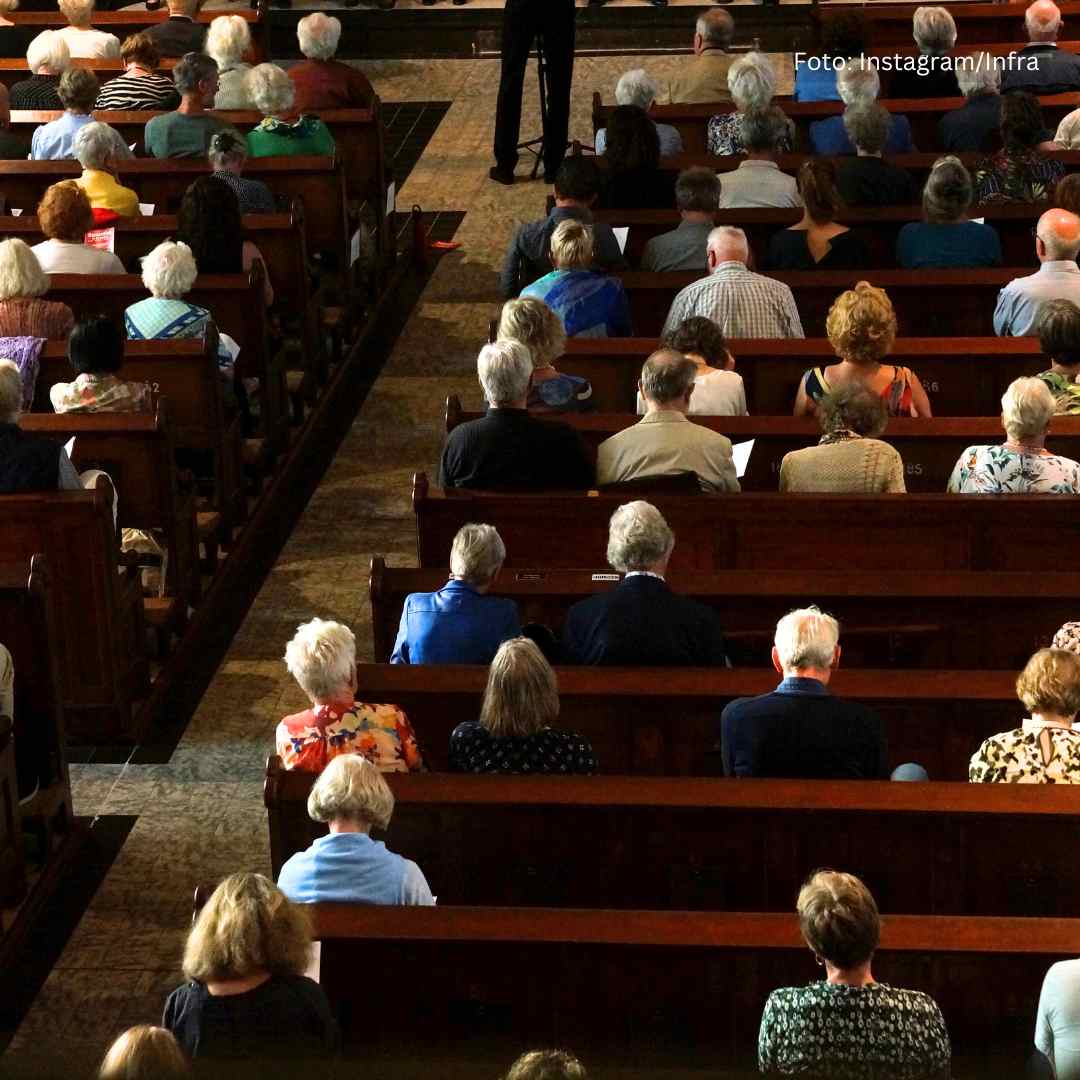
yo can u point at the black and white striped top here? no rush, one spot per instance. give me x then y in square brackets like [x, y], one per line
[130, 92]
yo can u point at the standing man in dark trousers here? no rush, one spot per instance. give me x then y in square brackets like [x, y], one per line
[523, 22]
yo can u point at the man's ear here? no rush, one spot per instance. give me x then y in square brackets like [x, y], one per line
[835, 658]
[776, 661]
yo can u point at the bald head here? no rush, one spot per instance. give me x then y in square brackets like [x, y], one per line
[714, 30]
[667, 379]
[1058, 235]
[727, 245]
[1043, 20]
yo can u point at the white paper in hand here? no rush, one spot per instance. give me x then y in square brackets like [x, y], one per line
[391, 197]
[230, 345]
[14, 213]
[621, 235]
[146, 209]
[740, 452]
[69, 447]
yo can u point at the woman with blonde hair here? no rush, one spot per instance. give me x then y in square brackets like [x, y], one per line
[530, 321]
[228, 41]
[513, 733]
[861, 327]
[1045, 748]
[23, 312]
[346, 866]
[247, 997]
[145, 1053]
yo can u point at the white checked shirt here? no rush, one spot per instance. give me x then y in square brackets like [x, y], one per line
[743, 304]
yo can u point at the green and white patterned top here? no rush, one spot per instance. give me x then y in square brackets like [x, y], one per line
[997, 470]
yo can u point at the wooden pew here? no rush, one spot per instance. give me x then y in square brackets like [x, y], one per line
[236, 303]
[922, 113]
[939, 303]
[929, 448]
[137, 452]
[99, 613]
[186, 373]
[658, 987]
[963, 376]
[877, 227]
[317, 182]
[763, 531]
[920, 619]
[680, 843]
[647, 721]
[13, 69]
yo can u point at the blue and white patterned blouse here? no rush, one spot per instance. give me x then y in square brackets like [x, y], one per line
[997, 470]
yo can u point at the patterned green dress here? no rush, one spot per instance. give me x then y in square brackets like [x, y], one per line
[997, 470]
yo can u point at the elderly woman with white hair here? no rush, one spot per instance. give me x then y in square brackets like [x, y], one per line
[975, 125]
[541, 331]
[322, 659]
[99, 149]
[641, 622]
[589, 304]
[23, 312]
[858, 83]
[636, 87]
[460, 623]
[271, 91]
[346, 866]
[228, 41]
[82, 40]
[47, 57]
[752, 82]
[320, 81]
[932, 73]
[1022, 464]
[514, 733]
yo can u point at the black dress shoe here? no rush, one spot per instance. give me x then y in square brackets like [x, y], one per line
[501, 175]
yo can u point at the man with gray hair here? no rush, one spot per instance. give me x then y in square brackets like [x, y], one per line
[637, 88]
[1019, 304]
[641, 622]
[743, 304]
[801, 729]
[703, 79]
[460, 623]
[1041, 67]
[697, 195]
[758, 181]
[858, 83]
[187, 131]
[507, 449]
[976, 125]
[932, 72]
[665, 441]
[179, 33]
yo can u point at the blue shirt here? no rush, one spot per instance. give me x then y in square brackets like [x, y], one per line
[455, 625]
[351, 868]
[798, 684]
[828, 137]
[924, 244]
[817, 83]
[56, 140]
[590, 305]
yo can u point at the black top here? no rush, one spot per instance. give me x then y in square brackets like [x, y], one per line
[529, 256]
[13, 147]
[938, 81]
[788, 250]
[27, 463]
[37, 92]
[177, 35]
[645, 189]
[288, 1016]
[803, 732]
[509, 450]
[643, 623]
[872, 181]
[1057, 71]
[975, 126]
[474, 750]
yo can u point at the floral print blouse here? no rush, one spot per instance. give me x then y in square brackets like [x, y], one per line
[99, 393]
[1066, 393]
[874, 1032]
[309, 740]
[1026, 177]
[724, 135]
[997, 470]
[1034, 753]
[473, 749]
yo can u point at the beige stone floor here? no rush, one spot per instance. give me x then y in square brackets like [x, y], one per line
[200, 816]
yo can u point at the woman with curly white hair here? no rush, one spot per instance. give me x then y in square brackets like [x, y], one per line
[271, 92]
[99, 149]
[346, 866]
[228, 41]
[1021, 464]
[752, 82]
[637, 87]
[169, 272]
[23, 312]
[320, 81]
[83, 41]
[47, 57]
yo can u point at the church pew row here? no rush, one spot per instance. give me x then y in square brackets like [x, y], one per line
[878, 228]
[923, 114]
[906, 619]
[13, 69]
[136, 450]
[962, 376]
[235, 301]
[317, 182]
[686, 844]
[666, 722]
[99, 619]
[646, 986]
[929, 448]
[762, 530]
[186, 373]
[936, 303]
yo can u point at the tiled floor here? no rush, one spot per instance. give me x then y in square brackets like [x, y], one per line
[200, 816]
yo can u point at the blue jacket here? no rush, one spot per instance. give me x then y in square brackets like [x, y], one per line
[456, 625]
[829, 137]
